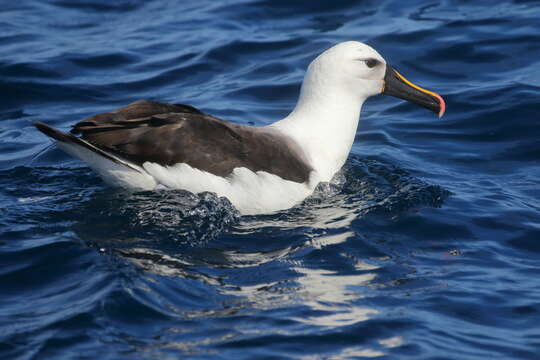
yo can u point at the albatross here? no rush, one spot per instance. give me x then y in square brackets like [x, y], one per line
[151, 145]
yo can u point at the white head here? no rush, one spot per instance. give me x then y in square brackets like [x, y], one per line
[350, 67]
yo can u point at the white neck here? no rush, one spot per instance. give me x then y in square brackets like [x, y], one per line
[324, 124]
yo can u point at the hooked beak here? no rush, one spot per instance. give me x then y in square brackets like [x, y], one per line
[396, 85]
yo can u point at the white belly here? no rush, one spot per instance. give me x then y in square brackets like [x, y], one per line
[250, 192]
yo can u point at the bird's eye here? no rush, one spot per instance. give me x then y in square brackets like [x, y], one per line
[371, 63]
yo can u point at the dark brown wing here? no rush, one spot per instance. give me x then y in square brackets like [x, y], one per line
[130, 115]
[168, 134]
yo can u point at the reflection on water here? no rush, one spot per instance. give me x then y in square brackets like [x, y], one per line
[327, 298]
[333, 295]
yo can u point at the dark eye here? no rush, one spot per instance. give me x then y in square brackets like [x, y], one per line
[371, 63]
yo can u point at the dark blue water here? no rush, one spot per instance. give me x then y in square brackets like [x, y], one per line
[426, 246]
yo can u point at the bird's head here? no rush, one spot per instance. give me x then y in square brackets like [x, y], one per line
[356, 68]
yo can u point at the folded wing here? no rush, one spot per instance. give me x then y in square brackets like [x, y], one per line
[169, 134]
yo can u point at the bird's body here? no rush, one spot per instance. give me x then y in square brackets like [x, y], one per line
[152, 144]
[148, 145]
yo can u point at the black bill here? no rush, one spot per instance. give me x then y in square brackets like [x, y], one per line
[396, 85]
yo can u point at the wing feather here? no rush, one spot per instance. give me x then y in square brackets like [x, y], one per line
[168, 134]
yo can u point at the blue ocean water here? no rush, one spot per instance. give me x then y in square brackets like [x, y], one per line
[426, 246]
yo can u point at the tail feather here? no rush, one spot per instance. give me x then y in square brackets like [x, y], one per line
[63, 137]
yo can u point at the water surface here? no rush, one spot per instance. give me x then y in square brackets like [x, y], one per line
[425, 246]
